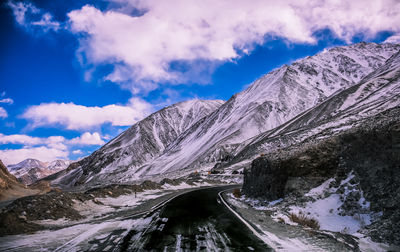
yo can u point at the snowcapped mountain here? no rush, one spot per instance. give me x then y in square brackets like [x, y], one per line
[377, 92]
[164, 144]
[30, 170]
[142, 142]
[58, 165]
[270, 101]
[26, 165]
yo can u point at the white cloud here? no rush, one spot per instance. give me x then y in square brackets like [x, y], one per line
[3, 113]
[20, 139]
[36, 147]
[7, 101]
[142, 47]
[394, 39]
[77, 152]
[47, 23]
[57, 142]
[78, 117]
[42, 153]
[87, 138]
[21, 9]
[29, 16]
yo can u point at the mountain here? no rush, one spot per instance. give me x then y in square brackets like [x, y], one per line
[377, 92]
[142, 142]
[10, 187]
[30, 170]
[345, 151]
[269, 102]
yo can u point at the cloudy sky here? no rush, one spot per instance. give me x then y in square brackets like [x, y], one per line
[74, 74]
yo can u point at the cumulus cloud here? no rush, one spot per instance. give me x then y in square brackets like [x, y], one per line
[36, 147]
[78, 117]
[87, 138]
[3, 113]
[19, 139]
[42, 153]
[29, 16]
[58, 142]
[143, 46]
[395, 39]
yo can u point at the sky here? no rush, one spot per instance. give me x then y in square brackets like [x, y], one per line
[75, 74]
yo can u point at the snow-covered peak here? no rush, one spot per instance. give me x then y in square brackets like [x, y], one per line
[58, 165]
[142, 142]
[26, 165]
[30, 170]
[165, 125]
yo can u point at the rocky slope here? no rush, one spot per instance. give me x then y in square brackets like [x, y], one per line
[377, 92]
[144, 141]
[31, 170]
[270, 101]
[10, 187]
[351, 143]
[357, 169]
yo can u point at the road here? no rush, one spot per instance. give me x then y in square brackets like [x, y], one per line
[195, 221]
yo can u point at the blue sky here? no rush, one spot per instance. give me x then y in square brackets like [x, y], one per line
[74, 74]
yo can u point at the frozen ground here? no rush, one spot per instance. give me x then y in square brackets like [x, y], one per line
[339, 229]
[105, 221]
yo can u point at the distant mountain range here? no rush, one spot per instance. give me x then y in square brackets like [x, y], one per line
[30, 170]
[322, 94]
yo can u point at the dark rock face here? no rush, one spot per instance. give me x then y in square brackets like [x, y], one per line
[265, 179]
[371, 151]
[374, 155]
[274, 178]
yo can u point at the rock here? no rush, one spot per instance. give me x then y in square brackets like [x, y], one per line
[371, 151]
[265, 180]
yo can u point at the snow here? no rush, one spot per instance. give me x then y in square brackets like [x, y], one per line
[319, 190]
[367, 245]
[91, 210]
[68, 239]
[277, 243]
[325, 211]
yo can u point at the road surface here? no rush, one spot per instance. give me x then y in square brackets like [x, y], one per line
[195, 221]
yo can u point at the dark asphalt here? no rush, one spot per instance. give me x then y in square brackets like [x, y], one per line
[195, 221]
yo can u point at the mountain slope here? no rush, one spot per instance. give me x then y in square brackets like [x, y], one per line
[270, 101]
[142, 142]
[10, 187]
[377, 92]
[344, 153]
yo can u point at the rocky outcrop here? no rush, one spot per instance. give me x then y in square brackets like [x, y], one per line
[371, 151]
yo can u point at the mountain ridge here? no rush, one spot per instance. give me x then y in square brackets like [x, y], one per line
[270, 101]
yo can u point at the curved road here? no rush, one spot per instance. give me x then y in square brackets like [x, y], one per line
[195, 221]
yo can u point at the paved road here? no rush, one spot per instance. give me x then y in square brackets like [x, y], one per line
[195, 221]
